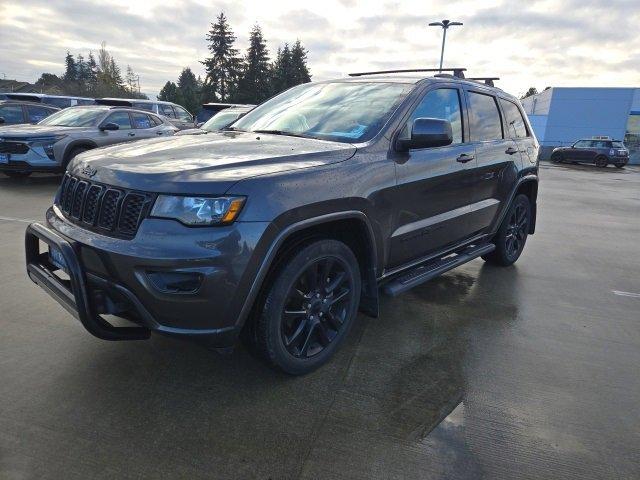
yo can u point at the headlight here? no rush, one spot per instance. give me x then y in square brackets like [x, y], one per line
[46, 143]
[198, 210]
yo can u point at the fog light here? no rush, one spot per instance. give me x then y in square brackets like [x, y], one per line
[175, 282]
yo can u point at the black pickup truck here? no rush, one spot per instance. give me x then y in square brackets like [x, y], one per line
[281, 227]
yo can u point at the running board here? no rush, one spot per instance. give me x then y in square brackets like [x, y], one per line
[428, 271]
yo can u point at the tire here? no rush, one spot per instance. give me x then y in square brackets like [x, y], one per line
[309, 308]
[601, 161]
[512, 235]
[17, 174]
[619, 165]
[557, 158]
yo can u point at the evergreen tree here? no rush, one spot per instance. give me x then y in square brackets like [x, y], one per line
[131, 81]
[71, 72]
[188, 86]
[170, 93]
[116, 76]
[299, 70]
[82, 70]
[92, 75]
[223, 65]
[281, 73]
[253, 86]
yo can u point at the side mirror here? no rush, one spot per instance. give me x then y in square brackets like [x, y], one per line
[427, 132]
[1, 120]
[109, 126]
[199, 124]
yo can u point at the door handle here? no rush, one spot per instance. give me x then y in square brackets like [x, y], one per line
[511, 151]
[158, 133]
[464, 158]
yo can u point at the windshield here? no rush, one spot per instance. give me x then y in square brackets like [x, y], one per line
[220, 120]
[74, 117]
[338, 111]
[618, 144]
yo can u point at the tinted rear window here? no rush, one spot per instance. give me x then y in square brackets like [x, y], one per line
[484, 118]
[143, 106]
[516, 127]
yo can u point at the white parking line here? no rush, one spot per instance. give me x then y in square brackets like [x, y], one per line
[626, 294]
[11, 219]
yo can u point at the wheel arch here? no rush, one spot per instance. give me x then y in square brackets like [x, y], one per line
[89, 144]
[351, 227]
[529, 186]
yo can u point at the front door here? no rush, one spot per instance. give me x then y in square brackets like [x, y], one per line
[124, 133]
[434, 184]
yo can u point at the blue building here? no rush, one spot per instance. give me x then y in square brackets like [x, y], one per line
[560, 116]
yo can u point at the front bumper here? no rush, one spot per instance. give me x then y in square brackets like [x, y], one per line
[33, 160]
[111, 276]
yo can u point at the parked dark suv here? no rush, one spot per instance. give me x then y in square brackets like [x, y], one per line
[285, 225]
[600, 151]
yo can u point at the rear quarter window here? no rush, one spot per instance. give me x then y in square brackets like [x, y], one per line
[484, 118]
[516, 127]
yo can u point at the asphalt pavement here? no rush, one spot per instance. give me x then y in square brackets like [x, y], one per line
[527, 372]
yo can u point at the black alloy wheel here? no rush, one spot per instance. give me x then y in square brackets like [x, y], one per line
[512, 234]
[310, 305]
[517, 231]
[316, 308]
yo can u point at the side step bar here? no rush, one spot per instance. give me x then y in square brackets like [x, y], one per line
[428, 271]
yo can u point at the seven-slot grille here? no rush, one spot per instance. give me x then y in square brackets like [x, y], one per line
[110, 211]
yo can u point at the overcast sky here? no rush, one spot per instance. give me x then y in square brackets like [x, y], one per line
[527, 43]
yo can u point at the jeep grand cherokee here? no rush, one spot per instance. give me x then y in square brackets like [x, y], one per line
[287, 223]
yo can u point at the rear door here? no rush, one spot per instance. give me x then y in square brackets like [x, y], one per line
[496, 157]
[184, 118]
[516, 129]
[124, 133]
[143, 125]
[434, 184]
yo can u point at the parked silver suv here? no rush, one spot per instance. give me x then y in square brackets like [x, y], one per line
[175, 114]
[53, 142]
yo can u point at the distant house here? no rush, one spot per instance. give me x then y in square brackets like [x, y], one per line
[18, 87]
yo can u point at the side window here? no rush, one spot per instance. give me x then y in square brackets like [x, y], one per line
[166, 110]
[143, 106]
[183, 115]
[141, 120]
[121, 119]
[37, 113]
[444, 104]
[581, 144]
[12, 113]
[516, 127]
[484, 117]
[155, 121]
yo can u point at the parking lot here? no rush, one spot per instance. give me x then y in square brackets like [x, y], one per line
[525, 372]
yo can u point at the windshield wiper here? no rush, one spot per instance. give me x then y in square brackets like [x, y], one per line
[233, 129]
[282, 132]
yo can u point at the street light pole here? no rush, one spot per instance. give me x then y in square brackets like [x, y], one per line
[445, 24]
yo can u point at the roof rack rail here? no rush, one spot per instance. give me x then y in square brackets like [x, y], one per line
[487, 80]
[457, 72]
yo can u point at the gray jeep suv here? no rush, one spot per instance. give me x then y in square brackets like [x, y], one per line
[54, 141]
[280, 228]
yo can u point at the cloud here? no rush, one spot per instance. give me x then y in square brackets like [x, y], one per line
[539, 43]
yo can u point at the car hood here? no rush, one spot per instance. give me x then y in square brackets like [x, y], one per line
[191, 131]
[202, 164]
[25, 131]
